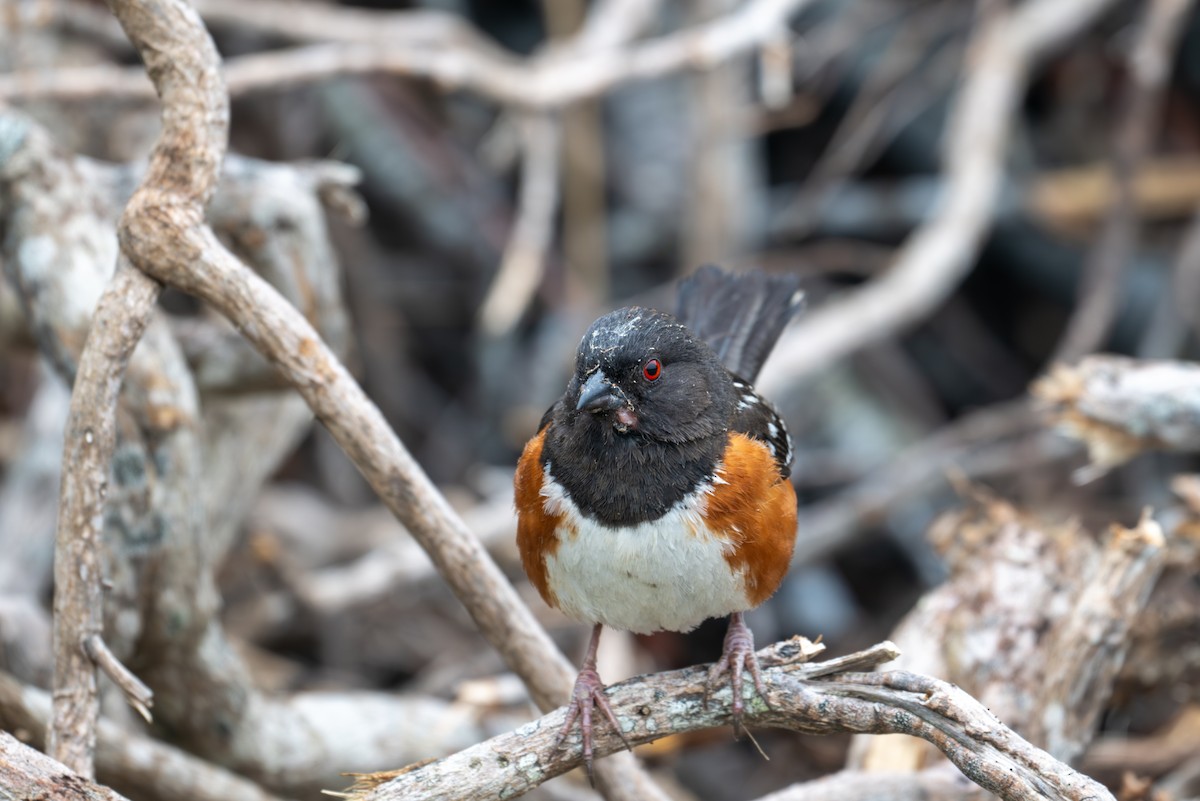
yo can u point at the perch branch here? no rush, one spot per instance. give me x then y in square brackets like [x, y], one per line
[936, 256]
[815, 698]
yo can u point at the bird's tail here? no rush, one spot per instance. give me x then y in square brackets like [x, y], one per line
[740, 315]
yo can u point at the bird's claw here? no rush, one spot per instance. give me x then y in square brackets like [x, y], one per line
[736, 657]
[587, 694]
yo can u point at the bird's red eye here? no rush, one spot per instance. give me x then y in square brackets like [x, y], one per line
[652, 370]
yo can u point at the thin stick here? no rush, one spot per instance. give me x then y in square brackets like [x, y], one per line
[139, 696]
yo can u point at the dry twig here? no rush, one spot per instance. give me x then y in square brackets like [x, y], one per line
[26, 773]
[91, 435]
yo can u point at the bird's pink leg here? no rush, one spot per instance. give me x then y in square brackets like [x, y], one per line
[587, 694]
[736, 657]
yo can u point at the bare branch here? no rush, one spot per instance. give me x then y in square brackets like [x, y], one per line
[197, 113]
[26, 773]
[813, 698]
[936, 256]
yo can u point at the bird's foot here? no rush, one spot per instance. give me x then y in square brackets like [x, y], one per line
[736, 657]
[587, 695]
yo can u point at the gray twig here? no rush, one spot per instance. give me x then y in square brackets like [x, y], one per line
[815, 698]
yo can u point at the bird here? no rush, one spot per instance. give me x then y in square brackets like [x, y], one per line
[656, 494]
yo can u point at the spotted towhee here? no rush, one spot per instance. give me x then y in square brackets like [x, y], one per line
[655, 494]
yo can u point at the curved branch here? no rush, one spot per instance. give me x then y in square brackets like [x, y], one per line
[91, 438]
[814, 698]
[183, 63]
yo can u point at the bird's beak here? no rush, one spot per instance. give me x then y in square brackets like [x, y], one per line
[598, 395]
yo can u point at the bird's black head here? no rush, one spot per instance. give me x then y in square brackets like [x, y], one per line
[640, 371]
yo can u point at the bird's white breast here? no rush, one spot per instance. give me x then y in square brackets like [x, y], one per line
[669, 573]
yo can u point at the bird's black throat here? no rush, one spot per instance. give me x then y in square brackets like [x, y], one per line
[622, 479]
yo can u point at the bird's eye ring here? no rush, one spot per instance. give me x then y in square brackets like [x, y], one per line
[652, 369]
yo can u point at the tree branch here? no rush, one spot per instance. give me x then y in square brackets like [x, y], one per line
[814, 698]
[26, 773]
[183, 64]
